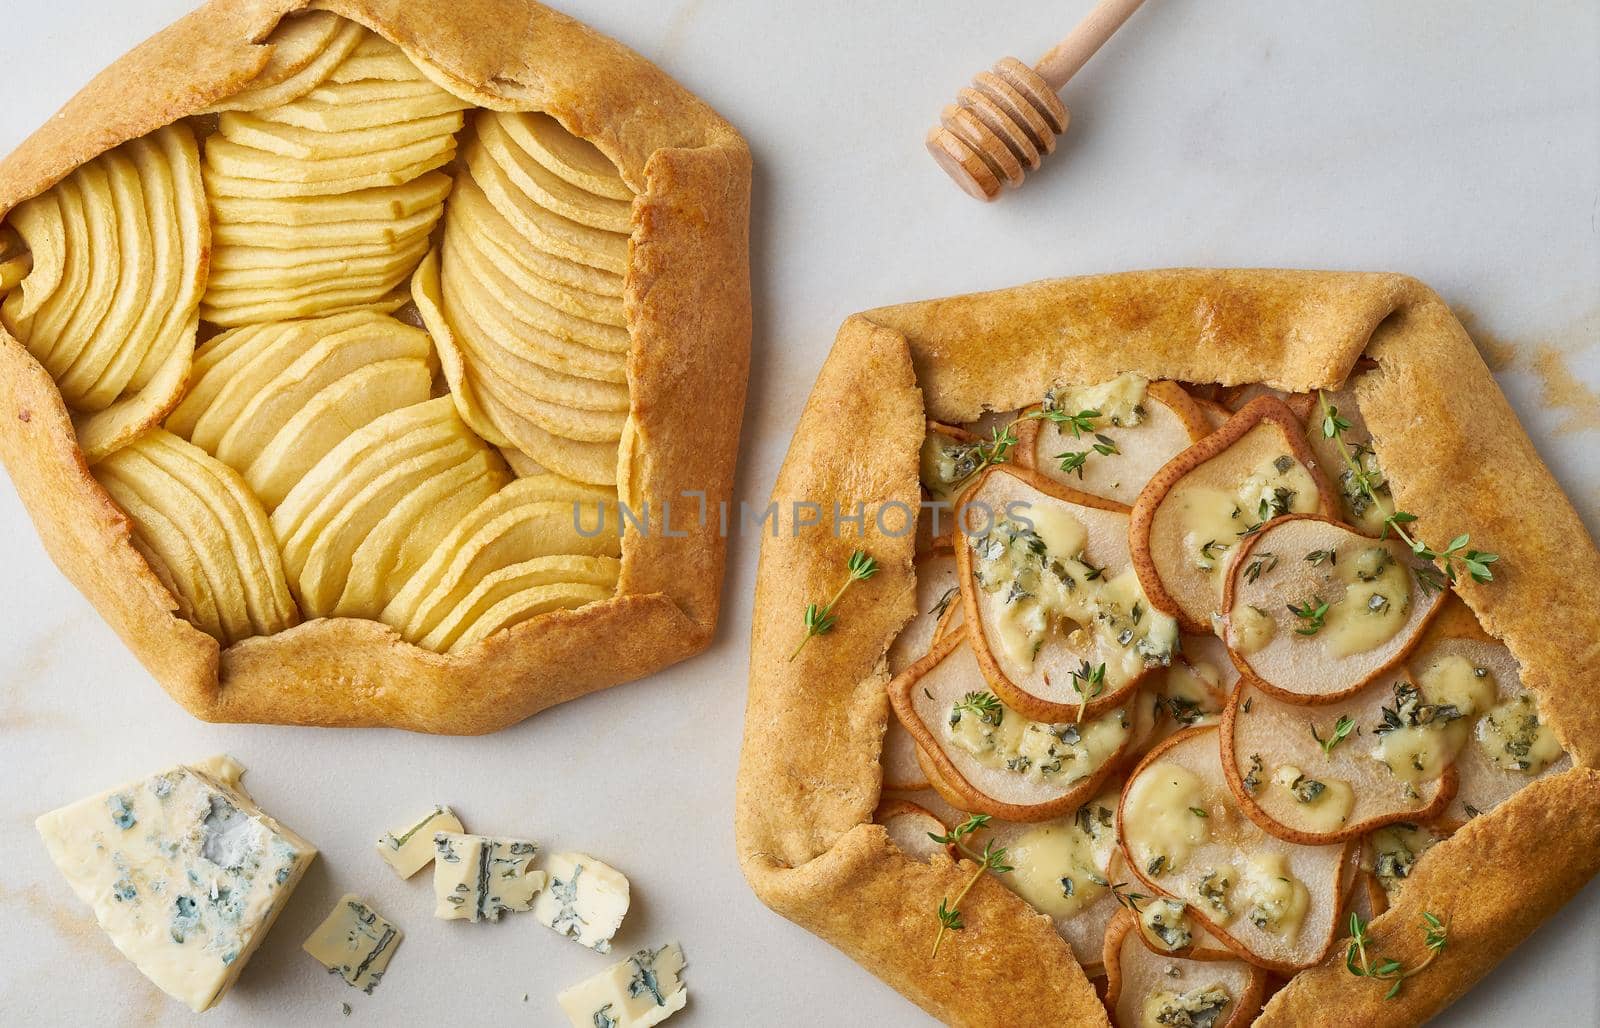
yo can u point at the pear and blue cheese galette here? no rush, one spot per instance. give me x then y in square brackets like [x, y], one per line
[336, 359]
[1181, 663]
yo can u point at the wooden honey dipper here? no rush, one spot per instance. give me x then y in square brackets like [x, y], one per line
[1009, 118]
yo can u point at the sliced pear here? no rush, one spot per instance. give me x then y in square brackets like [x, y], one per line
[409, 534]
[1355, 506]
[902, 770]
[1509, 745]
[1317, 611]
[306, 48]
[1273, 902]
[544, 229]
[496, 586]
[1237, 398]
[1065, 869]
[329, 485]
[325, 420]
[1196, 687]
[526, 605]
[320, 557]
[1144, 987]
[1216, 414]
[989, 758]
[500, 134]
[1060, 625]
[1192, 517]
[909, 826]
[937, 593]
[570, 157]
[1143, 427]
[1318, 774]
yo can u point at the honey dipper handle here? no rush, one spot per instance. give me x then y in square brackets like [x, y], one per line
[1072, 53]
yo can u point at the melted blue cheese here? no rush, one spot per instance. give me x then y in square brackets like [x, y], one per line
[183, 871]
[409, 849]
[1000, 738]
[477, 878]
[586, 900]
[642, 991]
[355, 943]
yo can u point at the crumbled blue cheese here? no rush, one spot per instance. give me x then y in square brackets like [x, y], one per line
[183, 871]
[586, 900]
[355, 943]
[476, 877]
[409, 849]
[642, 991]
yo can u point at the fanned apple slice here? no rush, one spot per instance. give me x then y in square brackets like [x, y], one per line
[169, 549]
[502, 135]
[1146, 988]
[497, 585]
[1059, 623]
[1066, 869]
[991, 759]
[1130, 428]
[306, 47]
[574, 159]
[1191, 519]
[1317, 774]
[1316, 611]
[910, 826]
[544, 229]
[16, 260]
[530, 518]
[471, 204]
[528, 604]
[1508, 745]
[1273, 902]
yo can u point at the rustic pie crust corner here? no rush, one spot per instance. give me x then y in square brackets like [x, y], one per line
[1364, 746]
[339, 338]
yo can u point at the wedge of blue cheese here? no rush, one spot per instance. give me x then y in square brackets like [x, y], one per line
[354, 942]
[586, 900]
[182, 870]
[643, 990]
[409, 849]
[478, 877]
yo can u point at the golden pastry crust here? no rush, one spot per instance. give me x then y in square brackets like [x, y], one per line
[688, 307]
[810, 779]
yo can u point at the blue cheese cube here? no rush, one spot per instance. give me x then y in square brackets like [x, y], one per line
[182, 870]
[586, 900]
[476, 877]
[408, 850]
[355, 943]
[643, 990]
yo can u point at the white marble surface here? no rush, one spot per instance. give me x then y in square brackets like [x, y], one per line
[1456, 141]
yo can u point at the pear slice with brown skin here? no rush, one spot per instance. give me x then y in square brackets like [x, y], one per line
[1192, 517]
[937, 599]
[1140, 982]
[1316, 611]
[1216, 414]
[1170, 423]
[1048, 588]
[1455, 655]
[1286, 781]
[1355, 506]
[1237, 398]
[526, 605]
[1273, 902]
[1195, 688]
[508, 581]
[1016, 769]
[339, 408]
[408, 535]
[910, 826]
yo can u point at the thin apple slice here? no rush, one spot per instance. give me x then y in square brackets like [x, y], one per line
[572, 157]
[502, 134]
[1316, 611]
[1060, 625]
[1273, 902]
[497, 585]
[1316, 775]
[910, 827]
[169, 549]
[1509, 745]
[991, 759]
[306, 48]
[544, 229]
[369, 214]
[1144, 987]
[528, 604]
[1133, 429]
[1192, 517]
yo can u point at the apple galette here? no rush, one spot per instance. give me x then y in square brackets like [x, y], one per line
[357, 356]
[1192, 665]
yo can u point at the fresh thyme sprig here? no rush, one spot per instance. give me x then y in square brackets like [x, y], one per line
[1341, 728]
[1130, 900]
[1359, 963]
[997, 448]
[1313, 612]
[990, 861]
[1473, 563]
[1088, 682]
[1072, 461]
[819, 620]
[982, 705]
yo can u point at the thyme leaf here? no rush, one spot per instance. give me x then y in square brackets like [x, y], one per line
[819, 620]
